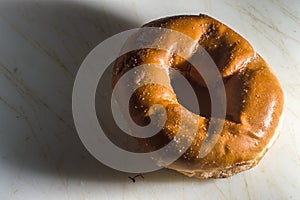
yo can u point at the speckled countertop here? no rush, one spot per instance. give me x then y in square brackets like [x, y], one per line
[42, 44]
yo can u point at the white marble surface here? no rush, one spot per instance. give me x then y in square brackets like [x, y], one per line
[42, 44]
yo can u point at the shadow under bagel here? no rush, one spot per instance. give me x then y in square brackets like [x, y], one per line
[42, 138]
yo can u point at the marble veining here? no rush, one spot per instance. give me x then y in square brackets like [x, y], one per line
[42, 45]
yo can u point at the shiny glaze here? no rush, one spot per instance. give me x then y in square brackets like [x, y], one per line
[254, 97]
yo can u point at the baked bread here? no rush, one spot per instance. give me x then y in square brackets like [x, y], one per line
[253, 93]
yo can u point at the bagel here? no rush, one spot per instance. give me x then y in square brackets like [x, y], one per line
[254, 98]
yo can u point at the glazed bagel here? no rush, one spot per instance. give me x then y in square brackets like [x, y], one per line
[254, 98]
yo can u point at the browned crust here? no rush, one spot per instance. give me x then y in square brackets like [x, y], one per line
[250, 131]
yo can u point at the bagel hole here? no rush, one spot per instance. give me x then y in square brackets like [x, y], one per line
[235, 90]
[190, 94]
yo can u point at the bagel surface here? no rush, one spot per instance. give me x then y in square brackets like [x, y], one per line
[254, 98]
